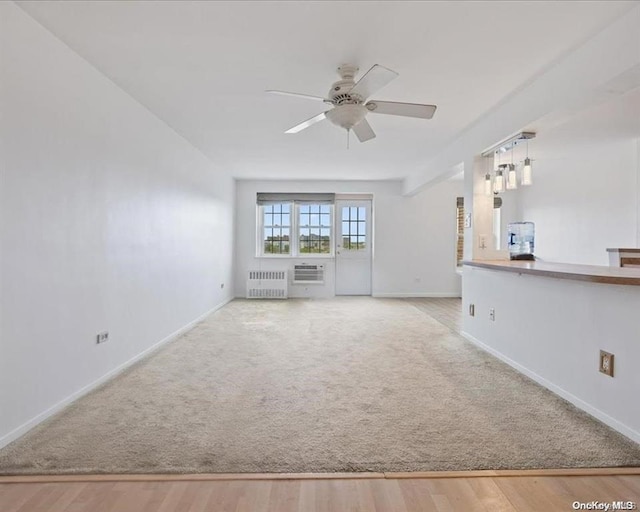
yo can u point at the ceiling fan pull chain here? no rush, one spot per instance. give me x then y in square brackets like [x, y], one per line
[347, 138]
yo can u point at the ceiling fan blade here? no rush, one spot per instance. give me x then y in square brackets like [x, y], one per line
[401, 109]
[373, 80]
[305, 124]
[363, 131]
[297, 95]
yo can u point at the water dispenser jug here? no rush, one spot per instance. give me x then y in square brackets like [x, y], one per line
[520, 240]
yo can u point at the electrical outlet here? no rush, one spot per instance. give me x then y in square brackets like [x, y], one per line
[492, 315]
[472, 310]
[101, 337]
[606, 363]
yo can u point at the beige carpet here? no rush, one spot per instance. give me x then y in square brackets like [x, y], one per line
[352, 384]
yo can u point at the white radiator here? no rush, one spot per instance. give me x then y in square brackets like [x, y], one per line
[267, 284]
[307, 274]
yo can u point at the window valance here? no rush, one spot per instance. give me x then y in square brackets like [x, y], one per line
[266, 198]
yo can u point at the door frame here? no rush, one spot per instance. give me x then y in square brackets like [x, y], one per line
[344, 200]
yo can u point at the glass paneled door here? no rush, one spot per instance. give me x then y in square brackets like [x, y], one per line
[353, 247]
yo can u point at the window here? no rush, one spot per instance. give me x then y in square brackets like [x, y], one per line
[314, 229]
[292, 225]
[354, 228]
[276, 222]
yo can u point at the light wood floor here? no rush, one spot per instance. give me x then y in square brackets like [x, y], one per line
[447, 311]
[535, 493]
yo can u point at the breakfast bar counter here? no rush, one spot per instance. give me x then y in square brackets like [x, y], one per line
[589, 273]
[553, 322]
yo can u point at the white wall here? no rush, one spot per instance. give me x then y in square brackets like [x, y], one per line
[109, 221]
[583, 201]
[586, 190]
[638, 194]
[414, 237]
[553, 329]
[605, 67]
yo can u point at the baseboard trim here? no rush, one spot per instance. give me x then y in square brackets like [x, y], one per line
[412, 295]
[205, 477]
[578, 402]
[36, 420]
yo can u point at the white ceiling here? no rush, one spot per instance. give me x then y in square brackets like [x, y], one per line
[202, 67]
[605, 122]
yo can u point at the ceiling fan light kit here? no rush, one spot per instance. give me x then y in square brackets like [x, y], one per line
[347, 116]
[349, 102]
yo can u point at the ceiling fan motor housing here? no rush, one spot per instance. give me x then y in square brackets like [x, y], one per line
[339, 93]
[348, 109]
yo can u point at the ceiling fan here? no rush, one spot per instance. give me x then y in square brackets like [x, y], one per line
[350, 102]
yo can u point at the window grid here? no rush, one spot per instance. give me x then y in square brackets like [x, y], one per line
[276, 229]
[314, 232]
[296, 230]
[354, 228]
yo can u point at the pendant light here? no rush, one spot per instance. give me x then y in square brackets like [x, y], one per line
[527, 178]
[488, 182]
[488, 186]
[498, 181]
[506, 175]
[512, 179]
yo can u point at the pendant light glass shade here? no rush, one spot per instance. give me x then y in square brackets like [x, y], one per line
[488, 186]
[498, 182]
[512, 179]
[527, 178]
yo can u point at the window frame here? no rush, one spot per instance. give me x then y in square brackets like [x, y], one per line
[262, 227]
[295, 232]
[358, 235]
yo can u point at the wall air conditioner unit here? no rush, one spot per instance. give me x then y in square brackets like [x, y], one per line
[308, 274]
[267, 284]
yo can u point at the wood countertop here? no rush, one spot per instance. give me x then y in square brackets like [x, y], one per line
[629, 250]
[589, 273]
